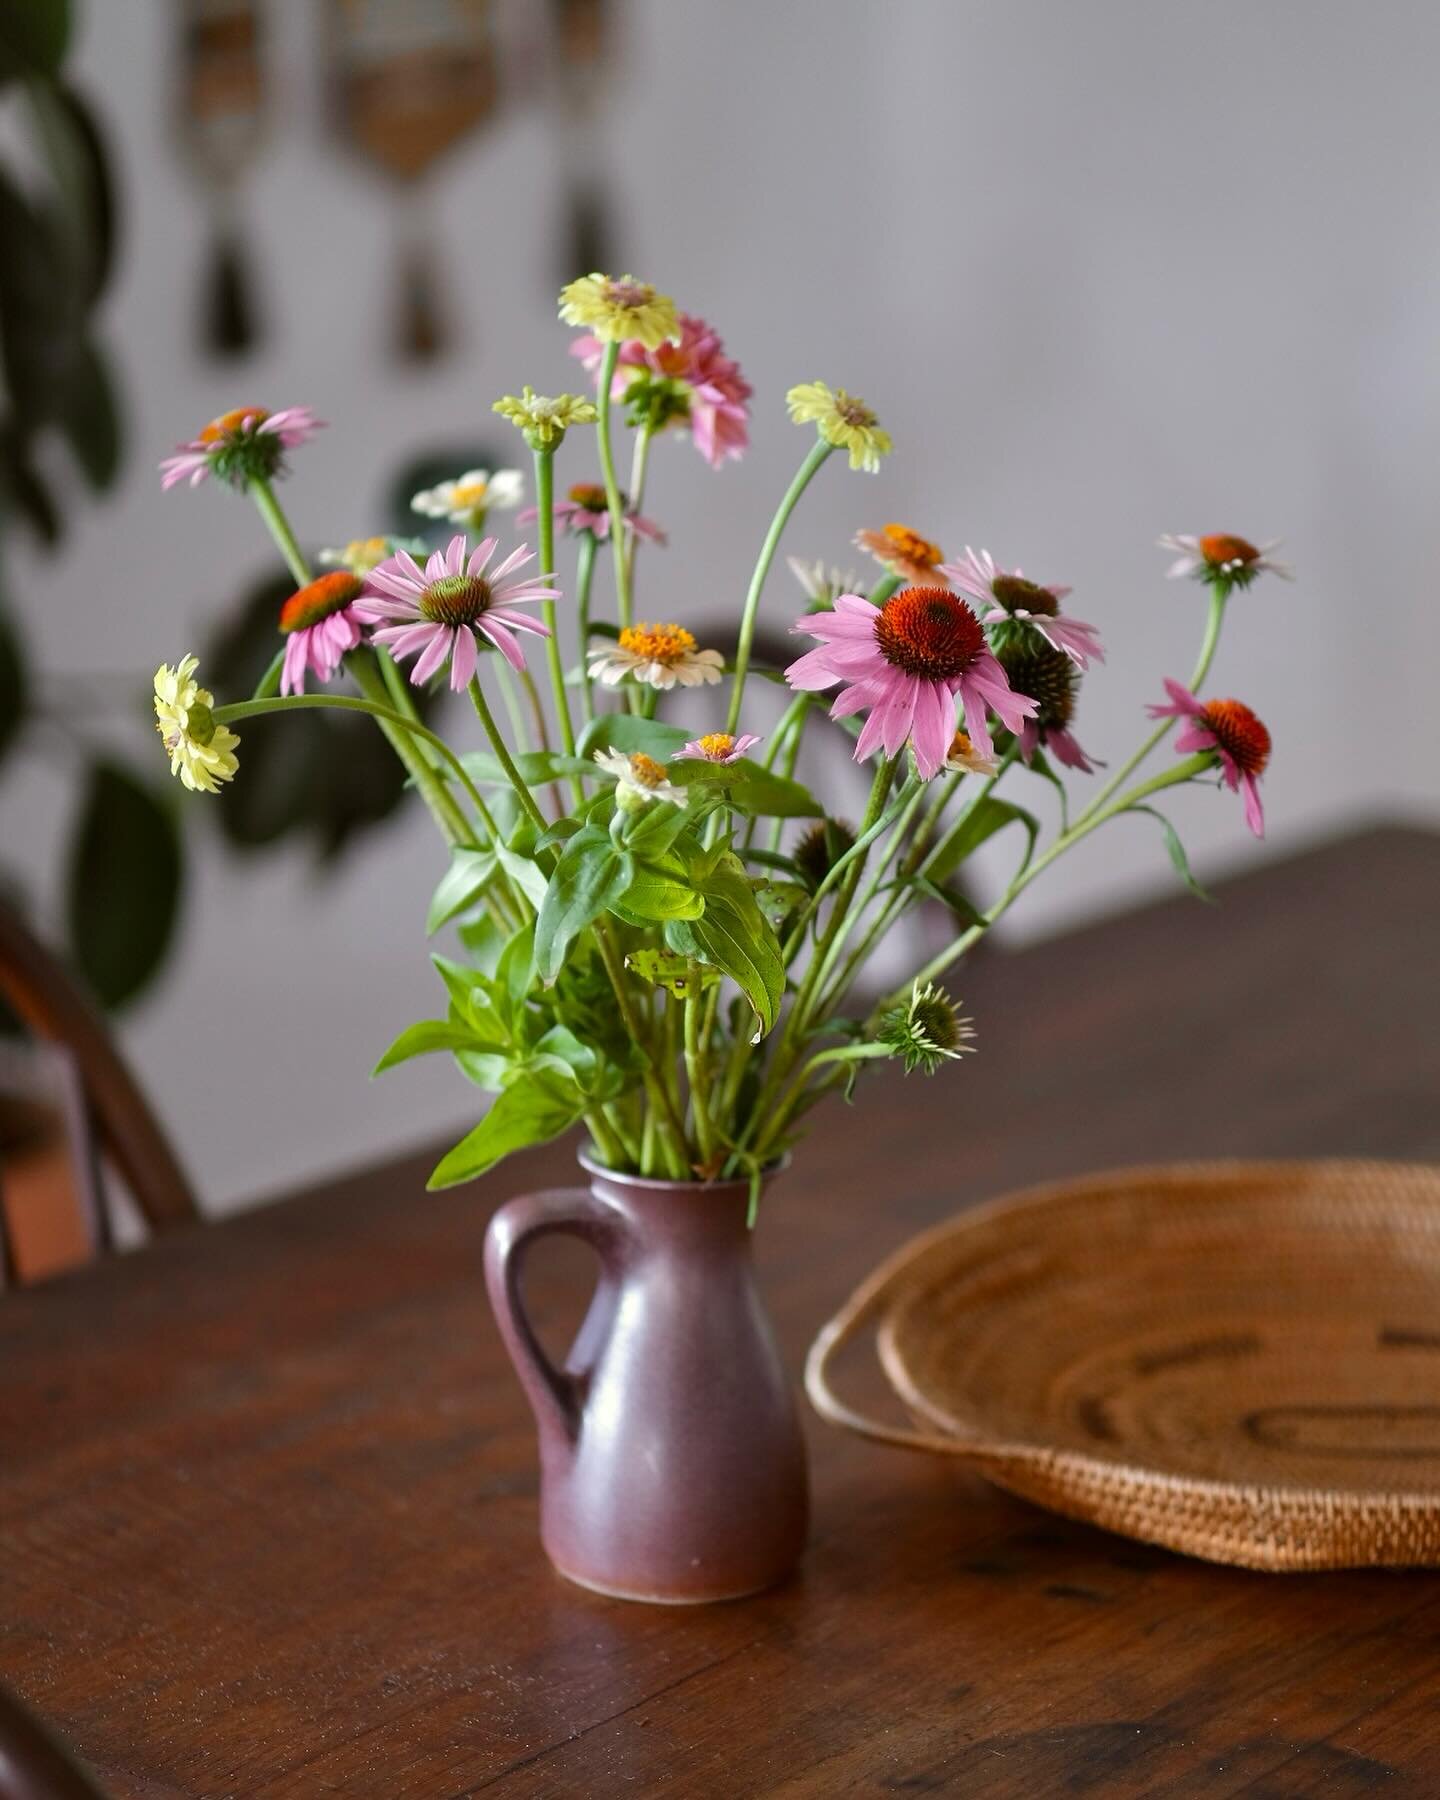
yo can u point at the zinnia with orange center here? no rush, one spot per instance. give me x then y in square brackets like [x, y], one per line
[904, 663]
[1237, 737]
[661, 656]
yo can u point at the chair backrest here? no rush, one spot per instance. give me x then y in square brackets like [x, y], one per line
[81, 1074]
[34, 1765]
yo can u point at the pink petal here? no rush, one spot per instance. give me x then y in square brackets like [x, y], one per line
[503, 640]
[405, 640]
[462, 659]
[518, 621]
[481, 555]
[292, 673]
[455, 554]
[1194, 737]
[434, 654]
[933, 728]
[813, 671]
[435, 569]
[517, 559]
[1254, 810]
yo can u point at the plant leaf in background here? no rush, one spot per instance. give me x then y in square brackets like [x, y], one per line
[34, 35]
[124, 884]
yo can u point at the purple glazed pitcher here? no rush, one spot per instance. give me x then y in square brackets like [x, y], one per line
[672, 1467]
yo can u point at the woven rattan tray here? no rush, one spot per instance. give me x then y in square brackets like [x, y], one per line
[1236, 1360]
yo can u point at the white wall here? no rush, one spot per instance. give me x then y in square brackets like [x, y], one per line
[1106, 270]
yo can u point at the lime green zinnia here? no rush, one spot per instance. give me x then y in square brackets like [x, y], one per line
[543, 418]
[623, 311]
[842, 420]
[202, 753]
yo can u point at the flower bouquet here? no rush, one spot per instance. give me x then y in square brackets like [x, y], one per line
[658, 934]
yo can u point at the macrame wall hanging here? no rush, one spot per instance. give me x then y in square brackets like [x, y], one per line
[412, 79]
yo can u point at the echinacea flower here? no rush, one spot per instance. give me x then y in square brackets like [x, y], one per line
[821, 583]
[927, 1030]
[467, 499]
[1222, 557]
[904, 663]
[1232, 731]
[248, 444]
[842, 420]
[1050, 678]
[1006, 595]
[360, 555]
[903, 552]
[616, 310]
[442, 610]
[962, 758]
[657, 655]
[320, 624]
[717, 747]
[545, 418]
[587, 509]
[202, 753]
[689, 381]
[639, 780]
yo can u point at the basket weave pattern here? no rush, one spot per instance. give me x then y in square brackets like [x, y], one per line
[1239, 1360]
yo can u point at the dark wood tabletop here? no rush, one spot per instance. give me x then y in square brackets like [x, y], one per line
[267, 1489]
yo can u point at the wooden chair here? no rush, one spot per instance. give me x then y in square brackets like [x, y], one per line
[70, 1101]
[34, 1765]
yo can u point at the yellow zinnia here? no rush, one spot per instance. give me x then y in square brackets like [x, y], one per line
[544, 418]
[202, 753]
[842, 420]
[620, 311]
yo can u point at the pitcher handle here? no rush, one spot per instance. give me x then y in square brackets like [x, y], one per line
[553, 1394]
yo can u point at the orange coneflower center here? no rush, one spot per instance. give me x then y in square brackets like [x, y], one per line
[229, 424]
[716, 743]
[455, 599]
[318, 599]
[593, 499]
[1016, 594]
[646, 770]
[1223, 549]
[912, 548]
[1239, 733]
[927, 631]
[668, 644]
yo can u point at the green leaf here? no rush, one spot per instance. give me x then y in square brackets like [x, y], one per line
[515, 972]
[734, 936]
[123, 891]
[535, 767]
[463, 883]
[12, 685]
[750, 788]
[670, 970]
[652, 832]
[473, 997]
[34, 35]
[1039, 765]
[526, 872]
[589, 877]
[660, 889]
[956, 902]
[971, 830]
[1178, 858]
[531, 1112]
[424, 1039]
[629, 732]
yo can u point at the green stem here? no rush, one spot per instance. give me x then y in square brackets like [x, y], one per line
[545, 504]
[1219, 593]
[269, 683]
[639, 466]
[612, 486]
[584, 575]
[279, 526]
[696, 1069]
[497, 744]
[511, 702]
[606, 1139]
[657, 1089]
[803, 475]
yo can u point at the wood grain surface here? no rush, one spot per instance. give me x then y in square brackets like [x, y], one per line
[267, 1488]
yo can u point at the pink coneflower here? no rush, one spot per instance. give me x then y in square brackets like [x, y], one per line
[1050, 678]
[717, 747]
[587, 509]
[439, 611]
[1232, 731]
[1222, 557]
[321, 624]
[239, 446]
[905, 662]
[1006, 594]
[707, 390]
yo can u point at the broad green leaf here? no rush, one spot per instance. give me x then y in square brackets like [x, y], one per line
[124, 883]
[780, 900]
[660, 889]
[956, 902]
[652, 832]
[670, 970]
[589, 877]
[525, 871]
[966, 835]
[463, 883]
[531, 1112]
[424, 1039]
[734, 936]
[535, 767]
[515, 972]
[629, 732]
[1178, 857]
[484, 940]
[473, 995]
[749, 787]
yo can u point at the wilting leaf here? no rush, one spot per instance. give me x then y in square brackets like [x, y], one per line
[1178, 858]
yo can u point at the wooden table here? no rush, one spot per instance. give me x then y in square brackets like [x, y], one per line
[267, 1490]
